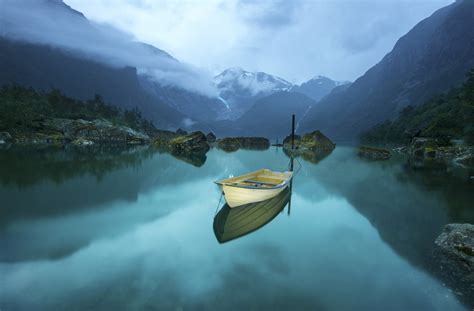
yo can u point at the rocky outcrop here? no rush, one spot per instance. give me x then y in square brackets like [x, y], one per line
[454, 252]
[424, 149]
[374, 154]
[310, 141]
[230, 144]
[63, 131]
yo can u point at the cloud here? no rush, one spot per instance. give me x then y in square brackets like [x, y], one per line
[54, 23]
[296, 40]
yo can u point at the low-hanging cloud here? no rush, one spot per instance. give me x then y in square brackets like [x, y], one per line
[293, 39]
[53, 23]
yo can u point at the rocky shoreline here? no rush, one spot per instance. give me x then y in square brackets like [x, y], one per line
[428, 151]
[454, 257]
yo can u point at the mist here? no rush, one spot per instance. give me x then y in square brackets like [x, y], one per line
[55, 24]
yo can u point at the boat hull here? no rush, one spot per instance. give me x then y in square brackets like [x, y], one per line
[237, 196]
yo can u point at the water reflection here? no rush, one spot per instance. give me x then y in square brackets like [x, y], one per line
[233, 223]
[140, 238]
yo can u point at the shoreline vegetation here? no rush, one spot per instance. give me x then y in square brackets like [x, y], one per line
[441, 130]
[28, 117]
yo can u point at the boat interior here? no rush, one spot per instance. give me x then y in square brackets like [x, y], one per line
[264, 178]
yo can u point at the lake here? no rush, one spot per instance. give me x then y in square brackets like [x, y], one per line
[133, 229]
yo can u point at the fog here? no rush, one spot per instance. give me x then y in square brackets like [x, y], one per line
[293, 39]
[55, 24]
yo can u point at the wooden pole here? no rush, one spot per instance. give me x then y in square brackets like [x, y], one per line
[292, 140]
[292, 131]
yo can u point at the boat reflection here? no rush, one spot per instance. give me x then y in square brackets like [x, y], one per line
[233, 223]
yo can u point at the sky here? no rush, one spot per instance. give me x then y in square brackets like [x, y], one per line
[293, 39]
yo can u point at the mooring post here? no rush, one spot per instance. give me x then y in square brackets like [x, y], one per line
[292, 132]
[292, 140]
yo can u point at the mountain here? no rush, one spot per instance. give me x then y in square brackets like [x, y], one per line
[317, 87]
[62, 49]
[430, 59]
[239, 89]
[270, 116]
[44, 68]
[197, 107]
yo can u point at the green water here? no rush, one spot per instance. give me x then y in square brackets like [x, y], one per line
[133, 230]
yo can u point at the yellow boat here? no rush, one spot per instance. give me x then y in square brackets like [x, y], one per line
[253, 187]
[232, 223]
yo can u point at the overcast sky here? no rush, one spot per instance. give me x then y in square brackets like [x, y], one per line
[294, 39]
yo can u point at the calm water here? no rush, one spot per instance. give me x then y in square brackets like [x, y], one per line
[127, 230]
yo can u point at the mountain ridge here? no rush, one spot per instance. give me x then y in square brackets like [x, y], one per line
[430, 59]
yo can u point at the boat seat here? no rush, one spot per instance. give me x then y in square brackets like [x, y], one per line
[260, 182]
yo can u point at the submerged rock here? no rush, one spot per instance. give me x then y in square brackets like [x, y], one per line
[375, 154]
[5, 137]
[231, 144]
[454, 253]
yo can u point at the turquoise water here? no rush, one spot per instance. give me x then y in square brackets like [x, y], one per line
[128, 230]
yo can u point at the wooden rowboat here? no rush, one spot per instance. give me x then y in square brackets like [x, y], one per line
[232, 223]
[253, 187]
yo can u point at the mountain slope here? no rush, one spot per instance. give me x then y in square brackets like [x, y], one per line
[45, 68]
[60, 48]
[430, 59]
[270, 116]
[316, 88]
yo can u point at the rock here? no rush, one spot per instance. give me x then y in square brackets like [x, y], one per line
[82, 142]
[195, 142]
[231, 144]
[402, 149]
[97, 131]
[310, 141]
[466, 159]
[211, 138]
[375, 154]
[454, 253]
[5, 137]
[423, 147]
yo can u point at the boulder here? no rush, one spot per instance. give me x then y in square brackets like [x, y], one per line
[231, 144]
[423, 147]
[5, 137]
[211, 138]
[195, 142]
[375, 154]
[310, 141]
[466, 159]
[82, 142]
[454, 253]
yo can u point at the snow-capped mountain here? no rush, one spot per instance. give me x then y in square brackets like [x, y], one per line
[236, 79]
[239, 89]
[317, 87]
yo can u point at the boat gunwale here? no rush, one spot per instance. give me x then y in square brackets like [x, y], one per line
[280, 185]
[277, 186]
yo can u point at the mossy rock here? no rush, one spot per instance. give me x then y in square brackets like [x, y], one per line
[310, 141]
[375, 154]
